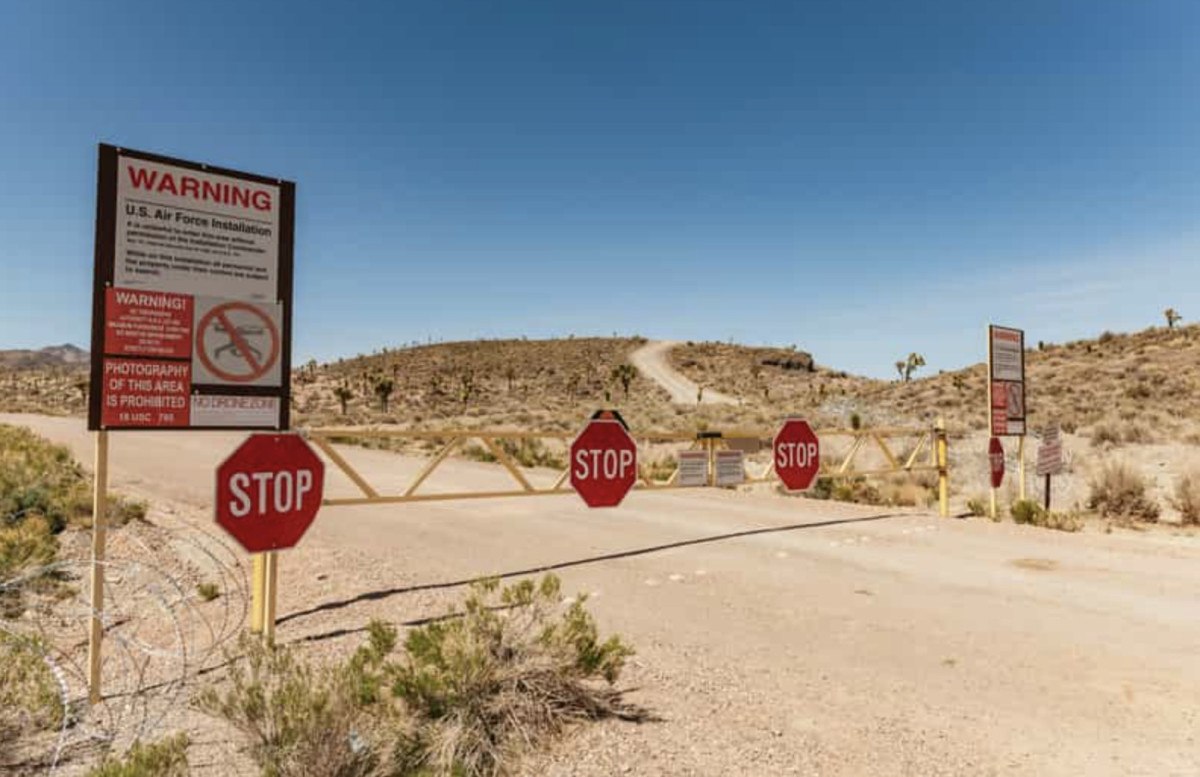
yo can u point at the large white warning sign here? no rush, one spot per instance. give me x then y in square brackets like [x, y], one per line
[191, 310]
[1006, 380]
[195, 232]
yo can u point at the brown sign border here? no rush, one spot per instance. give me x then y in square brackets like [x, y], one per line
[105, 268]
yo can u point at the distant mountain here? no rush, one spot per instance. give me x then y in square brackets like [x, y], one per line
[65, 355]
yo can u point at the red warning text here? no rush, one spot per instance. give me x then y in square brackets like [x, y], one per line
[148, 323]
[145, 393]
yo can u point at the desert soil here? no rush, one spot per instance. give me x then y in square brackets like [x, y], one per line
[774, 635]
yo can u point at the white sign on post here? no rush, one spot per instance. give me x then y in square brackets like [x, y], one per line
[191, 309]
[1050, 452]
[693, 469]
[731, 468]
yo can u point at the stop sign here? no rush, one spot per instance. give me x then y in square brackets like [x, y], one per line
[603, 463]
[269, 491]
[797, 455]
[996, 461]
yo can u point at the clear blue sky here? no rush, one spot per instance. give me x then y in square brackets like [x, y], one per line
[861, 179]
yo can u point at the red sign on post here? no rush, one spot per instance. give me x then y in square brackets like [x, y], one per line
[148, 323]
[797, 455]
[603, 463]
[269, 491]
[996, 461]
[146, 393]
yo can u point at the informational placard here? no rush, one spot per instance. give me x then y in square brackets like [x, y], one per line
[1006, 383]
[693, 469]
[1050, 452]
[191, 311]
[731, 468]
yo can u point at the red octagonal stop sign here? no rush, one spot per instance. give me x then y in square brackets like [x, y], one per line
[797, 455]
[996, 461]
[269, 491]
[603, 463]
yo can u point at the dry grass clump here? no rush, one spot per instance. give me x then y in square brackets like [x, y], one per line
[43, 492]
[1026, 511]
[165, 758]
[30, 698]
[1119, 491]
[468, 695]
[1187, 498]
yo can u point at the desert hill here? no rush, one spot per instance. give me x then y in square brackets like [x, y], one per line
[65, 355]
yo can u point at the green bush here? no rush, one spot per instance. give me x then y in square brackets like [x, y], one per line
[1030, 512]
[208, 591]
[976, 506]
[508, 673]
[467, 696]
[30, 697]
[1118, 491]
[165, 758]
[38, 478]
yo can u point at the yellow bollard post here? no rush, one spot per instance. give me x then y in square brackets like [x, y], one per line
[258, 582]
[943, 464]
[99, 530]
[270, 599]
[1021, 465]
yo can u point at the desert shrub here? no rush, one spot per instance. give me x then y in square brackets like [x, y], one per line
[467, 696]
[1105, 434]
[208, 591]
[38, 478]
[858, 490]
[30, 697]
[1024, 510]
[300, 719]
[660, 469]
[1118, 491]
[165, 758]
[510, 672]
[1027, 511]
[1187, 498]
[525, 452]
[1137, 434]
[977, 506]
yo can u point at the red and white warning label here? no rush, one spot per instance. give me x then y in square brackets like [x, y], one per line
[143, 392]
[237, 343]
[148, 323]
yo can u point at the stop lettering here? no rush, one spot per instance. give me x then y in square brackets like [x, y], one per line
[269, 491]
[603, 463]
[797, 455]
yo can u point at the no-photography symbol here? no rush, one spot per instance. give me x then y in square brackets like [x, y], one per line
[237, 342]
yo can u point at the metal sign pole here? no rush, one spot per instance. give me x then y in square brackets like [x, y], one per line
[99, 529]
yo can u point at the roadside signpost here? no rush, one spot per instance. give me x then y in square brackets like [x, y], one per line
[191, 314]
[1050, 456]
[693, 469]
[1006, 390]
[730, 468]
[603, 463]
[996, 464]
[192, 296]
[797, 455]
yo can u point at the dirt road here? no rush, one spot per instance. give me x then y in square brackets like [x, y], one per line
[779, 636]
[653, 361]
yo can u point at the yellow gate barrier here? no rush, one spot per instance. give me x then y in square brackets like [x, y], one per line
[895, 459]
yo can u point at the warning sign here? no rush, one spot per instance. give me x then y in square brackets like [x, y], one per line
[146, 323]
[191, 310]
[730, 468]
[145, 393]
[1006, 386]
[236, 343]
[693, 469]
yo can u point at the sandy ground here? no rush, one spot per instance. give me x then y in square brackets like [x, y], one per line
[652, 360]
[775, 636]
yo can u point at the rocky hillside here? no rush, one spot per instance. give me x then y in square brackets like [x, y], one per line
[64, 356]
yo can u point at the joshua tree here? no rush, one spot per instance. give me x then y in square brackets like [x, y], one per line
[914, 362]
[700, 395]
[510, 375]
[383, 388]
[624, 374]
[466, 386]
[343, 395]
[1173, 317]
[82, 387]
